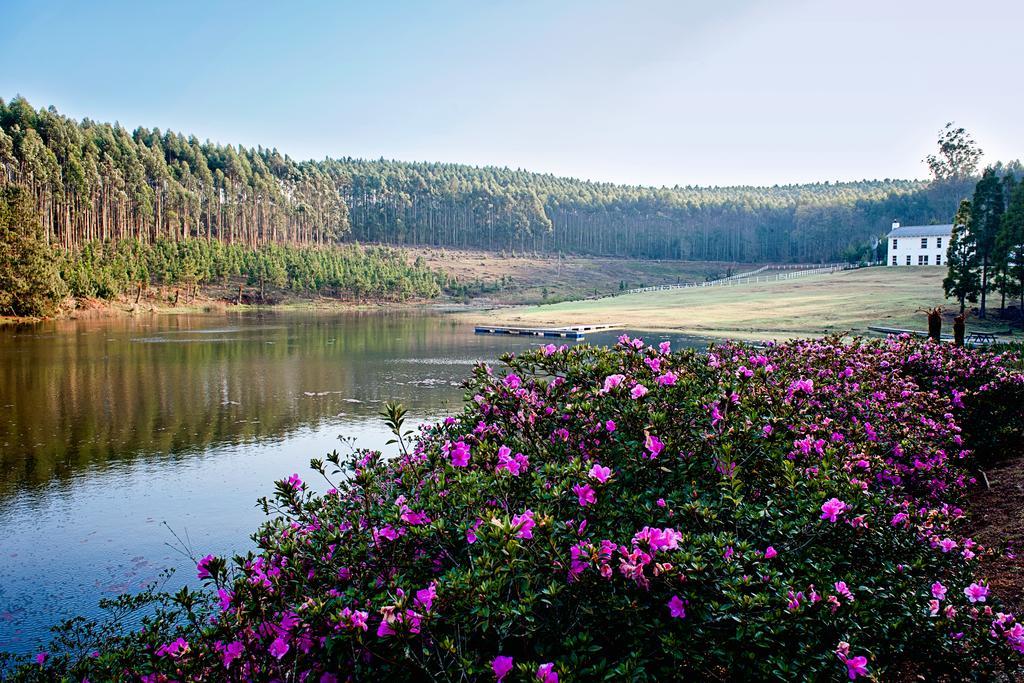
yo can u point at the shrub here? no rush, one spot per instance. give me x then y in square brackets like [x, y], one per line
[785, 513]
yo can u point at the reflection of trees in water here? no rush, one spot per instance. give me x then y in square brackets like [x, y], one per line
[77, 394]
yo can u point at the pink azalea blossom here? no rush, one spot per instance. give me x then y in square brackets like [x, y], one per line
[512, 381]
[653, 445]
[770, 552]
[294, 482]
[584, 494]
[832, 508]
[471, 532]
[856, 666]
[665, 347]
[279, 648]
[639, 391]
[947, 544]
[609, 426]
[459, 453]
[976, 592]
[203, 567]
[523, 524]
[501, 666]
[676, 607]
[612, 381]
[938, 591]
[600, 473]
[667, 379]
[546, 673]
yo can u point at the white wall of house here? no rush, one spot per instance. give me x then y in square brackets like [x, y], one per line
[917, 250]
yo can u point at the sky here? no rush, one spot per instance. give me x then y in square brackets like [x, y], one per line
[647, 92]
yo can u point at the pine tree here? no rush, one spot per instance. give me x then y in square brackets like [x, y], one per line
[961, 281]
[30, 282]
[986, 218]
[1011, 244]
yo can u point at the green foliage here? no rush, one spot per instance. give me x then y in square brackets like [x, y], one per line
[109, 269]
[30, 284]
[962, 281]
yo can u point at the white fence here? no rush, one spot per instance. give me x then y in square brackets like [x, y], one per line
[751, 278]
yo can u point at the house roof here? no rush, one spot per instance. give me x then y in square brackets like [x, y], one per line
[921, 230]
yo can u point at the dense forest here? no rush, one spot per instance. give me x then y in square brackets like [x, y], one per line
[97, 181]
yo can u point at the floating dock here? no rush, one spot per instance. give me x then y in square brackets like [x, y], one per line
[568, 332]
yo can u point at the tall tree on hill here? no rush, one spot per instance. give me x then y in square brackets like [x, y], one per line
[1011, 244]
[958, 155]
[961, 281]
[987, 211]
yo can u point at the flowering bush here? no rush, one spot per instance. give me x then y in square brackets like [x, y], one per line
[785, 513]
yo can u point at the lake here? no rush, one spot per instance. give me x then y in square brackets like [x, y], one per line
[126, 441]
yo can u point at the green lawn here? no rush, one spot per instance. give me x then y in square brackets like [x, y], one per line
[818, 304]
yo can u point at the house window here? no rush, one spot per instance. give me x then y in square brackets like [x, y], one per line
[894, 260]
[938, 259]
[938, 244]
[908, 259]
[926, 259]
[894, 244]
[924, 242]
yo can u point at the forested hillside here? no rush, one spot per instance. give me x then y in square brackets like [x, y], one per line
[97, 181]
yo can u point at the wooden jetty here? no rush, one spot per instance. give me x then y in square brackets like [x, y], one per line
[566, 332]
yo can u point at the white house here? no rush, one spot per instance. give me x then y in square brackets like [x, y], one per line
[918, 245]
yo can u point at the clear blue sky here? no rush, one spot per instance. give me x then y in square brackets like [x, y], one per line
[653, 92]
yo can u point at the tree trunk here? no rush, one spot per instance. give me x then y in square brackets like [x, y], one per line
[959, 329]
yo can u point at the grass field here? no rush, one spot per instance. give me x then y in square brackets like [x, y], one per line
[847, 301]
[567, 278]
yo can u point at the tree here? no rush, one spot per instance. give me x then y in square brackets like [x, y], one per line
[958, 155]
[1011, 244]
[986, 218]
[30, 282]
[961, 281]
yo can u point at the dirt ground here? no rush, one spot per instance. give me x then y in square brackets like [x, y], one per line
[997, 522]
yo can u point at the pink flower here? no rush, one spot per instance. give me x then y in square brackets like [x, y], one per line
[459, 453]
[667, 379]
[677, 608]
[41, 658]
[501, 666]
[609, 426]
[548, 351]
[976, 592]
[512, 381]
[202, 567]
[831, 509]
[425, 596]
[600, 473]
[665, 347]
[515, 465]
[231, 652]
[770, 552]
[225, 597]
[612, 381]
[294, 482]
[653, 445]
[938, 591]
[844, 590]
[546, 673]
[857, 666]
[639, 391]
[584, 494]
[278, 648]
[767, 430]
[947, 544]
[523, 524]
[471, 531]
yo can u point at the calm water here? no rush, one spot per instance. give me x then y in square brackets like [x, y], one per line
[115, 433]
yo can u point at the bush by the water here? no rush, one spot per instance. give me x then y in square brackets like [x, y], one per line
[790, 512]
